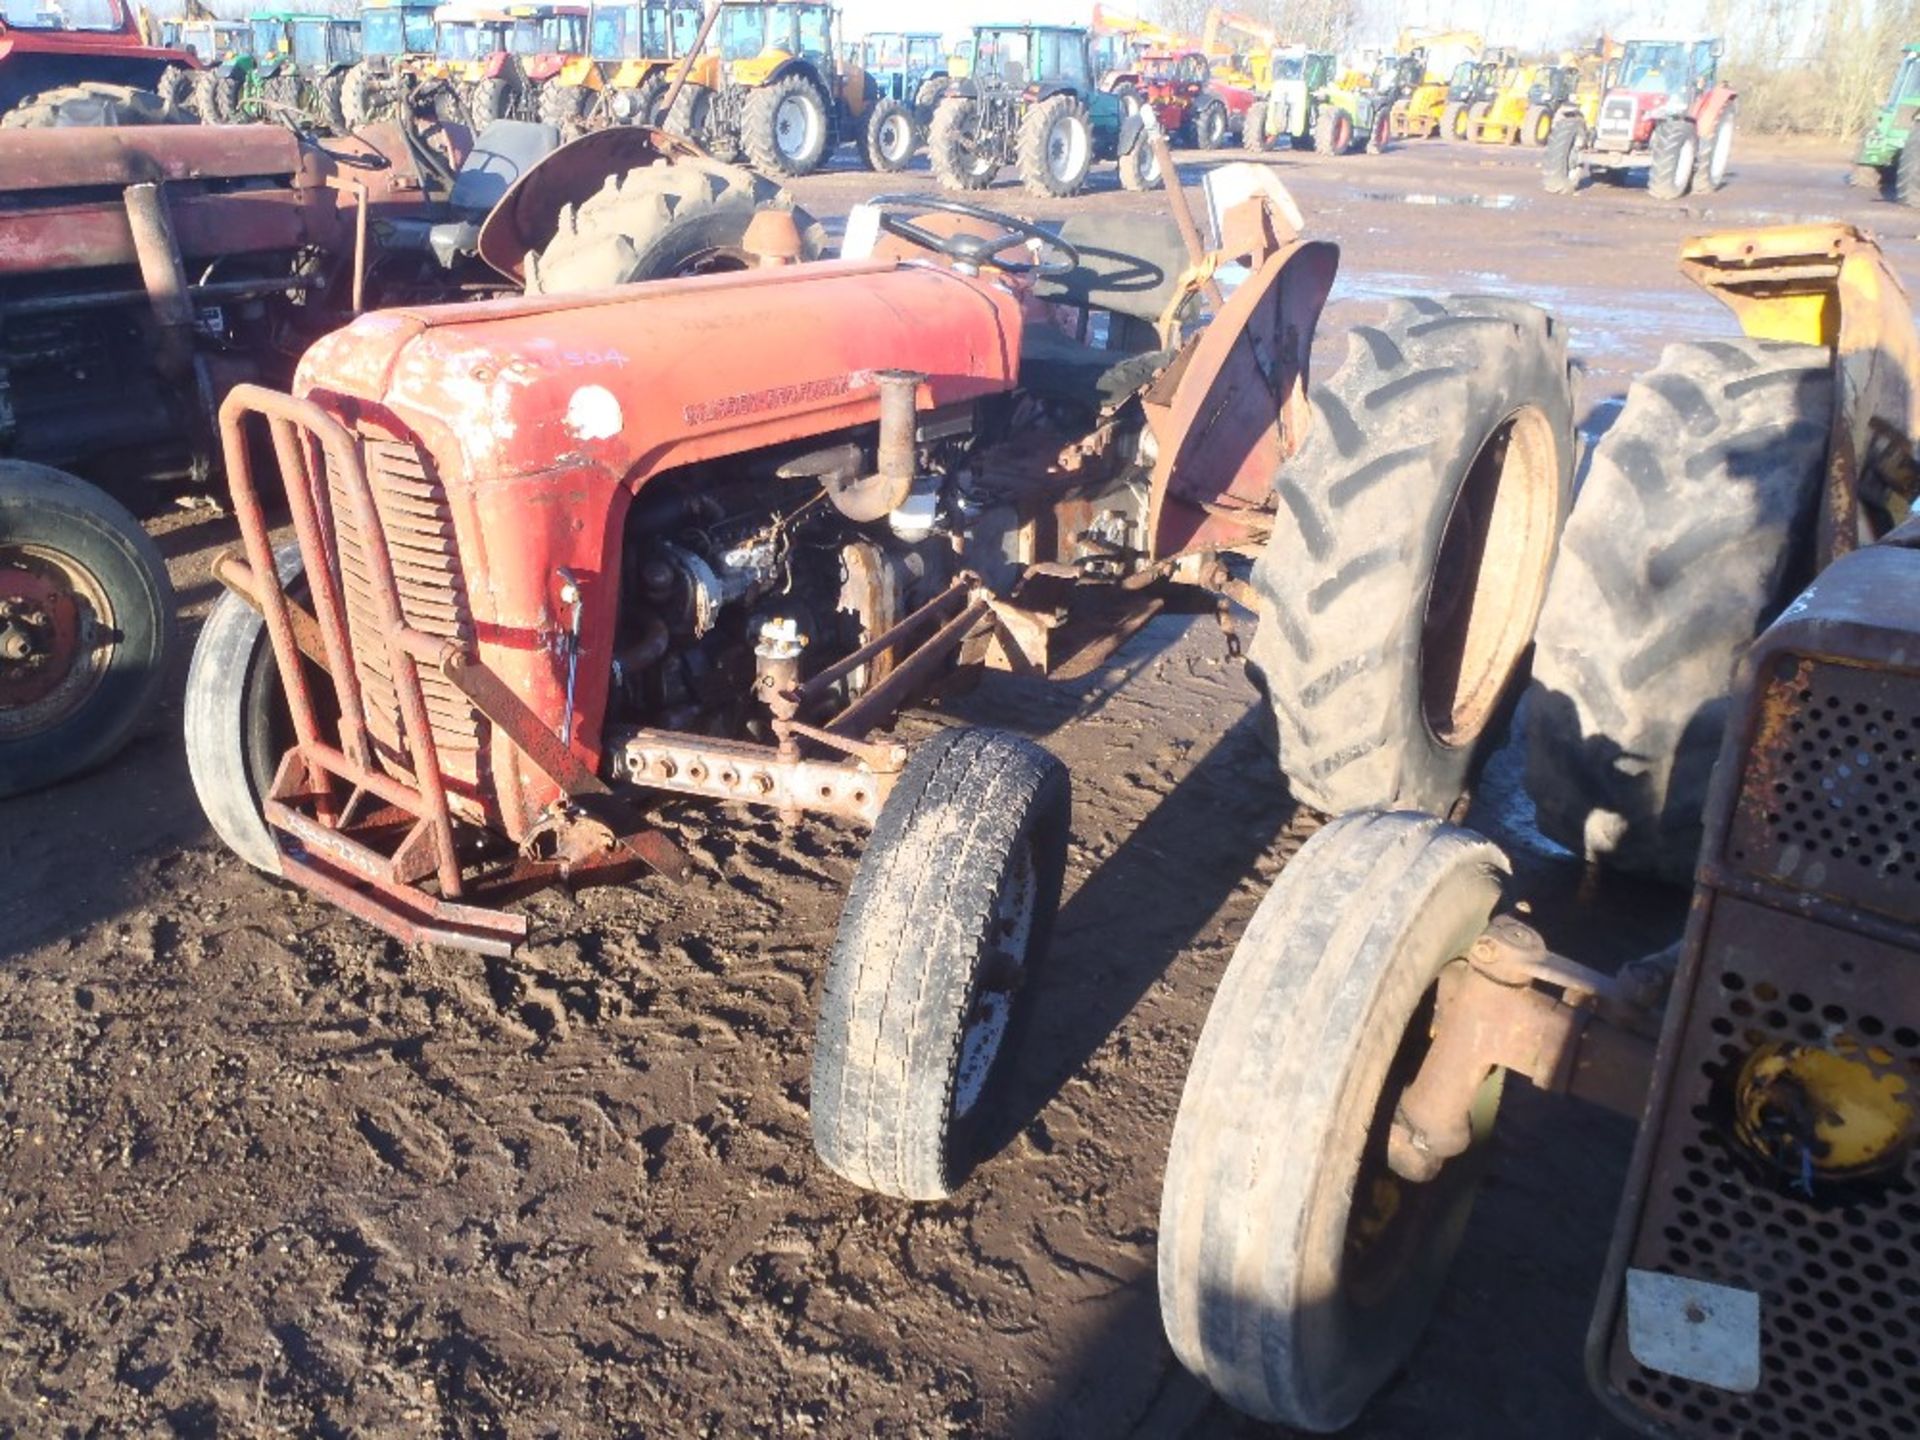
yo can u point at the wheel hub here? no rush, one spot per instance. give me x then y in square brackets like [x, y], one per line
[1001, 979]
[41, 636]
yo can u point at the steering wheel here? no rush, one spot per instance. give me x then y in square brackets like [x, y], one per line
[977, 250]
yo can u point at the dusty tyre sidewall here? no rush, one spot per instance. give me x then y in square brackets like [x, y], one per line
[760, 127]
[48, 508]
[1560, 173]
[1140, 167]
[1056, 115]
[951, 119]
[935, 1158]
[1906, 172]
[890, 120]
[1275, 1116]
[1676, 159]
[232, 710]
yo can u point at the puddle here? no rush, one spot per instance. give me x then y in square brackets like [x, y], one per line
[1479, 202]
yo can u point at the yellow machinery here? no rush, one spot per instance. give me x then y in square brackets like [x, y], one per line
[623, 76]
[770, 88]
[1248, 66]
[1522, 113]
[1421, 114]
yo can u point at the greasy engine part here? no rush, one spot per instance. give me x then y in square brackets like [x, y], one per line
[1763, 1271]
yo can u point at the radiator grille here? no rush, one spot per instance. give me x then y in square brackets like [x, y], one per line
[1830, 801]
[1838, 1272]
[418, 525]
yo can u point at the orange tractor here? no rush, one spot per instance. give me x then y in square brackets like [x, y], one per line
[549, 576]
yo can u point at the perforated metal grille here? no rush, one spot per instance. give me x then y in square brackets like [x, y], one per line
[1830, 802]
[418, 525]
[1838, 1272]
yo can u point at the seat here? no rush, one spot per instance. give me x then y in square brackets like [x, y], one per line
[1129, 267]
[502, 153]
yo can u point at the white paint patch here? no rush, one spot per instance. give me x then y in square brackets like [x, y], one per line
[1695, 1330]
[593, 413]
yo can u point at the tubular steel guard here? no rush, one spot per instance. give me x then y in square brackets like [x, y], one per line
[303, 803]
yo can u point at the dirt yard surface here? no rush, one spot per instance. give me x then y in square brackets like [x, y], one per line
[262, 1172]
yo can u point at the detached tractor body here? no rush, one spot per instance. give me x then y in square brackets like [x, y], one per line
[1760, 1271]
[1666, 115]
[1029, 99]
[46, 49]
[1889, 158]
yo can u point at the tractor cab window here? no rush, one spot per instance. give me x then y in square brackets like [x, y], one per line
[343, 41]
[170, 34]
[816, 31]
[1654, 67]
[1705, 64]
[269, 37]
[1005, 53]
[1156, 67]
[1906, 84]
[1462, 79]
[1193, 69]
[743, 31]
[887, 52]
[1386, 75]
[614, 32]
[563, 34]
[62, 14]
[923, 54]
[382, 32]
[683, 28]
[1061, 58]
[524, 37]
[310, 42]
[1289, 67]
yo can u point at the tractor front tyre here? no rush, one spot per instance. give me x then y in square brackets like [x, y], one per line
[1693, 529]
[87, 104]
[1675, 152]
[927, 99]
[329, 95]
[889, 138]
[1253, 134]
[1416, 527]
[1537, 128]
[955, 150]
[1140, 166]
[1209, 125]
[1297, 1269]
[785, 127]
[86, 625]
[213, 97]
[689, 217]
[283, 91]
[490, 99]
[1453, 121]
[360, 100]
[1054, 149]
[1906, 172]
[1563, 169]
[236, 719]
[561, 105]
[930, 984]
[1332, 131]
[175, 87]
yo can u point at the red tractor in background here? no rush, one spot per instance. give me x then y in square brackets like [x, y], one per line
[46, 47]
[1191, 106]
[1666, 112]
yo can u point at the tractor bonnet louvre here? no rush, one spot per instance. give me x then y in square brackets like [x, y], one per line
[418, 525]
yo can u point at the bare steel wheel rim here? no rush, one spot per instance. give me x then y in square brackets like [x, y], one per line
[57, 638]
[1002, 975]
[1067, 148]
[796, 126]
[1490, 577]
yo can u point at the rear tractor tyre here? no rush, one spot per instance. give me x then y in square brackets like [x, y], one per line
[1140, 166]
[86, 626]
[214, 97]
[561, 105]
[1675, 149]
[786, 127]
[1054, 150]
[890, 137]
[1398, 593]
[1209, 125]
[1537, 128]
[685, 218]
[1253, 134]
[1297, 1269]
[236, 719]
[329, 96]
[1906, 172]
[175, 87]
[361, 101]
[961, 158]
[490, 99]
[284, 91]
[1692, 532]
[929, 988]
[87, 104]
[1563, 168]
[1332, 131]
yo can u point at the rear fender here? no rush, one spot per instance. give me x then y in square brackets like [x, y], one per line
[1710, 107]
[1233, 405]
[1829, 285]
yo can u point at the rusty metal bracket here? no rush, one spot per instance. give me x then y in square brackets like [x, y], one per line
[751, 774]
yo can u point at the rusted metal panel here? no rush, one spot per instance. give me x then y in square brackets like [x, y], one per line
[127, 154]
[82, 237]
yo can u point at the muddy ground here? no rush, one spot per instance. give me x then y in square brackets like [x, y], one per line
[262, 1172]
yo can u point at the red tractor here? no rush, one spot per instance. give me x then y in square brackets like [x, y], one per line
[51, 46]
[1190, 105]
[1666, 113]
[549, 576]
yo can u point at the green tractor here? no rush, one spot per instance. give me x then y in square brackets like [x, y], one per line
[1030, 99]
[267, 74]
[1889, 157]
[1299, 84]
[324, 48]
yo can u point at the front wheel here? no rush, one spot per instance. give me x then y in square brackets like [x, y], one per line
[1297, 1269]
[86, 625]
[1675, 150]
[1563, 169]
[1209, 127]
[491, 99]
[1253, 134]
[1538, 126]
[1140, 166]
[929, 987]
[962, 158]
[1453, 121]
[1332, 132]
[1055, 147]
[890, 137]
[785, 127]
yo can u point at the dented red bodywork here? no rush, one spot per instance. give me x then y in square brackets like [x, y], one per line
[542, 418]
